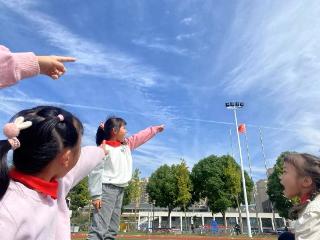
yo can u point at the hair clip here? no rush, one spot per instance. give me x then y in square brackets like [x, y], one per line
[12, 131]
[61, 117]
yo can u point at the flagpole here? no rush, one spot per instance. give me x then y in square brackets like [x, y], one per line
[265, 165]
[250, 172]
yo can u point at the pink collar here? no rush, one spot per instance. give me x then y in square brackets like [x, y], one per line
[37, 184]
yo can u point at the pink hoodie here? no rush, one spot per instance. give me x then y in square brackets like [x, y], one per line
[16, 66]
[28, 215]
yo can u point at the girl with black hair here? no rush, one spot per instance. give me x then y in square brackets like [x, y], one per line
[107, 181]
[301, 178]
[47, 162]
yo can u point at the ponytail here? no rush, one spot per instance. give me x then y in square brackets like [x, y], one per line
[100, 136]
[4, 172]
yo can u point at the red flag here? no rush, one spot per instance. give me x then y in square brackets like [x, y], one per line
[242, 128]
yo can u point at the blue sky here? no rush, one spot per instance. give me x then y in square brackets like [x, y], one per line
[177, 63]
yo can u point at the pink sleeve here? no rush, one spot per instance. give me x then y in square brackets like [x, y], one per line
[141, 137]
[90, 157]
[16, 66]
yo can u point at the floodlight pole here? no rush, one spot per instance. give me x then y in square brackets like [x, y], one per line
[234, 106]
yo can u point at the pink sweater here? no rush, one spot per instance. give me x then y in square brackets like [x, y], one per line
[28, 215]
[16, 66]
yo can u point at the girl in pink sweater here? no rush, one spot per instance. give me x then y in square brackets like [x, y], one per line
[16, 66]
[47, 162]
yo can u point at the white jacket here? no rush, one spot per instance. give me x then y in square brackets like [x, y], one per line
[307, 226]
[116, 168]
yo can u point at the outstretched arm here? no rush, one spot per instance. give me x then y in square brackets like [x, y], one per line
[143, 136]
[17, 66]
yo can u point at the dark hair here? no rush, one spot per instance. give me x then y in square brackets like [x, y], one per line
[41, 142]
[306, 165]
[105, 133]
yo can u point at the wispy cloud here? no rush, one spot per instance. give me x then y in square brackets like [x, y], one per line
[185, 36]
[160, 46]
[10, 108]
[187, 21]
[153, 154]
[5, 103]
[101, 60]
[93, 58]
[278, 57]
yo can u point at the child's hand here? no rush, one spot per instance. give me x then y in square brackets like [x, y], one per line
[97, 203]
[52, 66]
[161, 127]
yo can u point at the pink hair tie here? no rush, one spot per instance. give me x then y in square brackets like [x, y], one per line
[11, 130]
[14, 142]
[61, 117]
[101, 125]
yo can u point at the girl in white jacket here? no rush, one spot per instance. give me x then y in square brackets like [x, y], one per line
[301, 178]
[107, 181]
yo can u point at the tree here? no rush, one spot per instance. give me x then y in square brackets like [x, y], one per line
[233, 182]
[79, 195]
[132, 193]
[136, 190]
[275, 189]
[162, 187]
[184, 186]
[208, 178]
[126, 196]
[218, 179]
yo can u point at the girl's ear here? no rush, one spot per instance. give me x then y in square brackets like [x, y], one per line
[114, 131]
[66, 158]
[307, 181]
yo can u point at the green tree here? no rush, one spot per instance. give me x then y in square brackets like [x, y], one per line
[162, 188]
[275, 189]
[233, 183]
[126, 196]
[136, 190]
[132, 192]
[79, 195]
[208, 179]
[218, 180]
[184, 186]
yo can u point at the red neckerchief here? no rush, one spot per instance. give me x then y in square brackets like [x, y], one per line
[37, 184]
[112, 143]
[305, 198]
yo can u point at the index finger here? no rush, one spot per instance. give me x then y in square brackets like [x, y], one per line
[65, 59]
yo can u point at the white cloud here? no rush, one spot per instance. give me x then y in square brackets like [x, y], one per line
[93, 58]
[100, 60]
[160, 46]
[187, 21]
[278, 61]
[181, 37]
